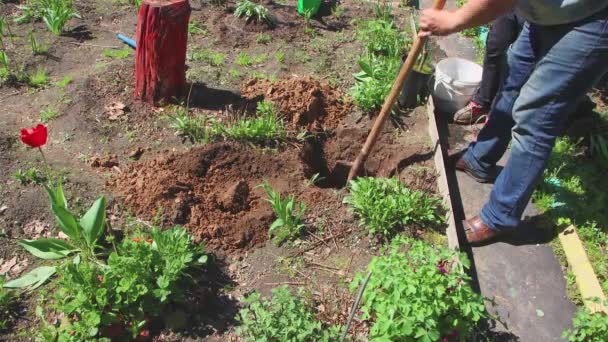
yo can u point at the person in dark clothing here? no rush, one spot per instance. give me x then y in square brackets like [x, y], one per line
[502, 34]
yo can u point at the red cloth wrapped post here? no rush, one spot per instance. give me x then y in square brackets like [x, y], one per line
[162, 38]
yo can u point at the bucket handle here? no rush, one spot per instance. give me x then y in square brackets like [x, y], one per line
[448, 80]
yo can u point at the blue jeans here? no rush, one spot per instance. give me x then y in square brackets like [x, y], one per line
[550, 69]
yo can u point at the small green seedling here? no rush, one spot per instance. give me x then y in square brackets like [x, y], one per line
[289, 223]
[7, 304]
[118, 54]
[48, 114]
[244, 59]
[207, 56]
[194, 129]
[5, 64]
[194, 29]
[264, 128]
[38, 79]
[30, 176]
[37, 49]
[263, 38]
[64, 81]
[315, 179]
[280, 56]
[5, 29]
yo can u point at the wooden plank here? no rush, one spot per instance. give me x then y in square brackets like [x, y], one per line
[586, 280]
[442, 178]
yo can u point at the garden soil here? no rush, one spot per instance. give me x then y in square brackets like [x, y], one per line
[304, 101]
[213, 190]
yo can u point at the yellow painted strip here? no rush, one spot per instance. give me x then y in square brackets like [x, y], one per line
[578, 261]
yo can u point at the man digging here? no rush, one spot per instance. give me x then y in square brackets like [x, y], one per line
[561, 53]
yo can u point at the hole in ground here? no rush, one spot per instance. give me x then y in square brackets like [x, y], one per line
[332, 171]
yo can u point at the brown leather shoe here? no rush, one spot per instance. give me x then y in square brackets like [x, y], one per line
[478, 232]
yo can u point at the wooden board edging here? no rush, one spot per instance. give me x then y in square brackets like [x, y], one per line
[442, 178]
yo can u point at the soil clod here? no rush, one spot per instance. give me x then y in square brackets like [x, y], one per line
[304, 101]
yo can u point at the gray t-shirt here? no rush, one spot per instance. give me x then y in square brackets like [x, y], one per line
[555, 12]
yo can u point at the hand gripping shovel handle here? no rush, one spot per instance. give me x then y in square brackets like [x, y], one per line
[390, 100]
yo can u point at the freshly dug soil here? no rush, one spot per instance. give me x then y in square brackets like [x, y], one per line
[211, 190]
[304, 101]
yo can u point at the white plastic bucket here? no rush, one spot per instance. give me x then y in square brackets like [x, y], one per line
[456, 81]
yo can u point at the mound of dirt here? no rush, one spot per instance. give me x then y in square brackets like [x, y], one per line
[211, 190]
[305, 102]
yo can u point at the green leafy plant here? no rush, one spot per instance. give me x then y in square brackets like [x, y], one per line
[418, 292]
[383, 10]
[381, 37]
[385, 205]
[285, 317]
[263, 38]
[194, 28]
[374, 81]
[252, 11]
[37, 49]
[38, 79]
[118, 53]
[244, 59]
[49, 114]
[30, 175]
[207, 56]
[280, 56]
[142, 276]
[308, 14]
[599, 147]
[289, 223]
[5, 71]
[5, 29]
[265, 127]
[192, 128]
[64, 81]
[56, 14]
[588, 326]
[338, 11]
[32, 10]
[7, 303]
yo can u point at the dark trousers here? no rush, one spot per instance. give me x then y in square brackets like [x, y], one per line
[503, 33]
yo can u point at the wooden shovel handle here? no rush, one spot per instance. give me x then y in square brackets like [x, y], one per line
[390, 100]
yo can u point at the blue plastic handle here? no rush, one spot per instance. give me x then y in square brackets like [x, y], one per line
[127, 40]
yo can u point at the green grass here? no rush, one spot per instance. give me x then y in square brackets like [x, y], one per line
[64, 82]
[207, 56]
[574, 192]
[195, 29]
[7, 303]
[118, 53]
[38, 79]
[244, 59]
[280, 56]
[48, 114]
[265, 127]
[263, 38]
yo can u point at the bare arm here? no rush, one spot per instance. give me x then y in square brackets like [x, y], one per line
[472, 14]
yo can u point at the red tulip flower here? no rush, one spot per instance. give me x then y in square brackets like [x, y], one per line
[35, 136]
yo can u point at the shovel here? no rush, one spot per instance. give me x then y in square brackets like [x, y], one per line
[389, 102]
